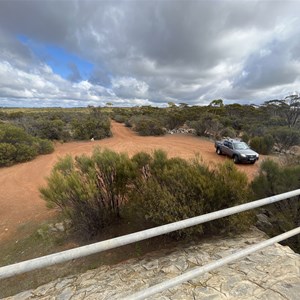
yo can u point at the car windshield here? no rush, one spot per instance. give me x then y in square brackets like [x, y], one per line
[240, 146]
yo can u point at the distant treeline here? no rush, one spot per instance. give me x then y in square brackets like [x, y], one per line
[272, 125]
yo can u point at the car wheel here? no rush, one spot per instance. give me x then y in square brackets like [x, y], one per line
[235, 159]
[219, 152]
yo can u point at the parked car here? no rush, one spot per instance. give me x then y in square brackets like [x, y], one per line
[239, 151]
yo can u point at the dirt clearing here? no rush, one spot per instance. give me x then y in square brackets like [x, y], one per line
[20, 202]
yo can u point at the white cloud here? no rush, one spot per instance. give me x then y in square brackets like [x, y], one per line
[150, 53]
[129, 87]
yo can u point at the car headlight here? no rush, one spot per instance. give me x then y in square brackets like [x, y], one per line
[243, 155]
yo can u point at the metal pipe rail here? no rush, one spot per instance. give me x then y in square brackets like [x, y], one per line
[209, 267]
[48, 260]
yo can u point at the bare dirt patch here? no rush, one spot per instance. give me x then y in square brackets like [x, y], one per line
[20, 201]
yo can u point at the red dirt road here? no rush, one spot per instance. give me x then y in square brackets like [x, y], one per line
[19, 196]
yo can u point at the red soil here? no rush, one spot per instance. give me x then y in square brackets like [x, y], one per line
[20, 201]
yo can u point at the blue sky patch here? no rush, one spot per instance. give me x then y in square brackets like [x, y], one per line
[67, 65]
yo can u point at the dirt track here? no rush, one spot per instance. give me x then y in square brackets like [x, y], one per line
[19, 196]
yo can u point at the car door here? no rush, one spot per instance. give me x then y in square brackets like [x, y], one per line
[226, 148]
[230, 149]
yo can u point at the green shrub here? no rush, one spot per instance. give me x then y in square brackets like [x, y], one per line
[285, 137]
[228, 132]
[171, 192]
[245, 138]
[12, 134]
[146, 126]
[284, 215]
[199, 126]
[173, 189]
[19, 146]
[25, 152]
[7, 154]
[120, 118]
[207, 125]
[94, 191]
[49, 129]
[91, 127]
[44, 146]
[90, 190]
[230, 188]
[262, 144]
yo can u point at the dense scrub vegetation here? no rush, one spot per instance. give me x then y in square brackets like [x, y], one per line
[61, 124]
[18, 146]
[273, 125]
[25, 134]
[275, 179]
[95, 191]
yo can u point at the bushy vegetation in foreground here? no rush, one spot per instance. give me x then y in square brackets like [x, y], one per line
[284, 215]
[18, 146]
[95, 191]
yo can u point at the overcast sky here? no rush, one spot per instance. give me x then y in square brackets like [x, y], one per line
[147, 52]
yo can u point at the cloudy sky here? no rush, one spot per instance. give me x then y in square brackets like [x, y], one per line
[147, 52]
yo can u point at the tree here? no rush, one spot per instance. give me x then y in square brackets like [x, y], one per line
[171, 105]
[288, 108]
[285, 137]
[217, 103]
[183, 105]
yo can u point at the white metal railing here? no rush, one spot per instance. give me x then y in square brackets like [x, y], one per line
[209, 267]
[48, 260]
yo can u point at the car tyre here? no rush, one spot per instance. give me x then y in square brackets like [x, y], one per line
[236, 159]
[219, 152]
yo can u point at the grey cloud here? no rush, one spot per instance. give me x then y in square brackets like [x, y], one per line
[15, 52]
[100, 77]
[158, 51]
[272, 66]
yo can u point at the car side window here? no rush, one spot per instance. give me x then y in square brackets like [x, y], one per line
[230, 145]
[226, 143]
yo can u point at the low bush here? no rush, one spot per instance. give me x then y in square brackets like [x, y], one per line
[173, 189]
[95, 191]
[274, 179]
[207, 125]
[18, 146]
[228, 132]
[262, 144]
[285, 137]
[44, 146]
[90, 190]
[94, 125]
[148, 127]
[25, 152]
[120, 118]
[245, 138]
[7, 154]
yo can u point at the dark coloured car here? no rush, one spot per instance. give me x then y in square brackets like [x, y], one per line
[239, 151]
